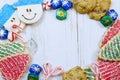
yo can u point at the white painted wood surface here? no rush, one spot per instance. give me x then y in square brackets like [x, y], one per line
[68, 43]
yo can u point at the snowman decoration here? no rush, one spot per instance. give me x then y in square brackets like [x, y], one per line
[15, 17]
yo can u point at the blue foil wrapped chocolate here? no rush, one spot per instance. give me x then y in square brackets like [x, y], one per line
[35, 69]
[112, 13]
[55, 4]
[66, 4]
[3, 34]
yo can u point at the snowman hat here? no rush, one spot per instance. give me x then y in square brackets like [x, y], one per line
[5, 13]
[27, 2]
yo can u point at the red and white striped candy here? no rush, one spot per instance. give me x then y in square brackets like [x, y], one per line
[13, 67]
[109, 70]
[112, 31]
[46, 5]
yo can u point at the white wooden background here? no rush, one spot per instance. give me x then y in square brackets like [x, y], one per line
[71, 42]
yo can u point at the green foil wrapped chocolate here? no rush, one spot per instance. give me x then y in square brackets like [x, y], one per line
[106, 20]
[61, 14]
[33, 77]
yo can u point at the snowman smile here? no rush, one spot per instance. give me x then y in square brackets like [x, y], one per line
[29, 18]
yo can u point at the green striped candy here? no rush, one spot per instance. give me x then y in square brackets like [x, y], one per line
[89, 74]
[7, 49]
[111, 51]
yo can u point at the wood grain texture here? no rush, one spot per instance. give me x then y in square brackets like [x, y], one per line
[68, 43]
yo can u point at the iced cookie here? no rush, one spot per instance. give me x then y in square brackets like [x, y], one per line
[29, 11]
[75, 73]
[13, 67]
[111, 51]
[8, 49]
[109, 70]
[30, 14]
[111, 32]
[84, 6]
[14, 23]
[89, 73]
[100, 10]
[9, 18]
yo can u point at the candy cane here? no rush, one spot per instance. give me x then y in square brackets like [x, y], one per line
[49, 71]
[13, 34]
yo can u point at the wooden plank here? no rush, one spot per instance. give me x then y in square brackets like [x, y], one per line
[58, 39]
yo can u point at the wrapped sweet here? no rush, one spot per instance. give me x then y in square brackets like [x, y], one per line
[113, 14]
[61, 14]
[35, 69]
[3, 34]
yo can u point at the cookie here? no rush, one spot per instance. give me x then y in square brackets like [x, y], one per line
[75, 73]
[72, 1]
[9, 18]
[30, 14]
[5, 13]
[111, 32]
[13, 67]
[29, 11]
[109, 70]
[14, 23]
[100, 10]
[8, 49]
[111, 51]
[84, 6]
[89, 73]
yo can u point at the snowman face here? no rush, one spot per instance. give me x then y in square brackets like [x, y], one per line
[14, 20]
[30, 14]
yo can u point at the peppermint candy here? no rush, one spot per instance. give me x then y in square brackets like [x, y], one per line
[46, 5]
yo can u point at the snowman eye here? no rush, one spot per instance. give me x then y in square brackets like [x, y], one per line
[30, 10]
[11, 20]
[27, 10]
